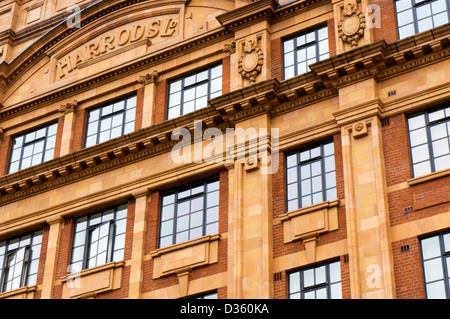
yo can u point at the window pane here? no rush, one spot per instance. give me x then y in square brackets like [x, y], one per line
[294, 282]
[436, 290]
[433, 269]
[442, 162]
[430, 248]
[420, 153]
[422, 168]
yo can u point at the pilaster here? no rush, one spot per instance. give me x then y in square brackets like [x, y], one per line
[55, 227]
[137, 255]
[367, 216]
[69, 121]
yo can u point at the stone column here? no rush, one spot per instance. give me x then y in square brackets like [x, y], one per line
[69, 120]
[250, 217]
[54, 236]
[149, 82]
[368, 230]
[137, 254]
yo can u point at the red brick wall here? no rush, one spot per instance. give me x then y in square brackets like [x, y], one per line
[78, 132]
[428, 198]
[139, 109]
[59, 133]
[160, 105]
[279, 208]
[42, 259]
[277, 59]
[396, 150]
[388, 23]
[4, 154]
[63, 258]
[226, 73]
[151, 243]
[331, 37]
[408, 271]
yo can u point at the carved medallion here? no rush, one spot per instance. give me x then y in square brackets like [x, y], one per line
[352, 24]
[251, 61]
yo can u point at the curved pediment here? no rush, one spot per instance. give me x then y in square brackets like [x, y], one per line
[108, 34]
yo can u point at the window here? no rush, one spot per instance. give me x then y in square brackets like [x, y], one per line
[19, 261]
[320, 282]
[429, 139]
[414, 16]
[110, 121]
[99, 238]
[212, 295]
[436, 263]
[189, 212]
[311, 176]
[192, 92]
[301, 51]
[32, 148]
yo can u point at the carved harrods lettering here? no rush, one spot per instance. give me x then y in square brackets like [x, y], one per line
[352, 24]
[114, 40]
[251, 60]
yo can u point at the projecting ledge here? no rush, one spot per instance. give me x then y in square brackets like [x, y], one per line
[428, 177]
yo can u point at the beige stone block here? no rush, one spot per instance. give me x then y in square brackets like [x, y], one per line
[90, 282]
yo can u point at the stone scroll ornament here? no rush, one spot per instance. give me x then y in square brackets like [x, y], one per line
[251, 61]
[352, 24]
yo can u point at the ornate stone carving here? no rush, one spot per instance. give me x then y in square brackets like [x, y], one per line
[251, 61]
[69, 107]
[148, 78]
[352, 24]
[359, 129]
[230, 48]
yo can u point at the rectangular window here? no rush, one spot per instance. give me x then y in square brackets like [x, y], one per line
[189, 212]
[320, 282]
[192, 92]
[311, 176]
[305, 49]
[99, 238]
[110, 121]
[414, 16]
[19, 261]
[32, 148]
[429, 140]
[436, 263]
[212, 295]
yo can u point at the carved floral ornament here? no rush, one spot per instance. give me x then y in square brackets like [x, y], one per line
[69, 107]
[251, 61]
[352, 24]
[148, 78]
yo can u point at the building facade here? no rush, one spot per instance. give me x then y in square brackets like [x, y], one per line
[124, 174]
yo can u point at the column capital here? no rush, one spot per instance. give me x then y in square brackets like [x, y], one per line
[148, 78]
[68, 107]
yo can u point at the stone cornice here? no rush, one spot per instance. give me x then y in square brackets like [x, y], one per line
[261, 10]
[382, 60]
[103, 157]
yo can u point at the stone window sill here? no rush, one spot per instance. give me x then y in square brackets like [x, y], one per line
[309, 222]
[186, 255]
[89, 282]
[19, 293]
[428, 177]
